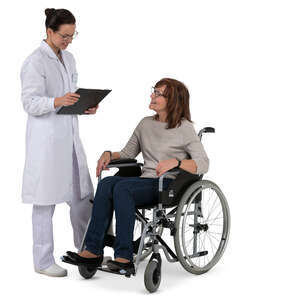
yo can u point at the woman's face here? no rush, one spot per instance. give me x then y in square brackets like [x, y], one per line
[63, 36]
[158, 101]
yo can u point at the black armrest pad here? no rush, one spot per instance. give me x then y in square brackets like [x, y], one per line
[122, 161]
[127, 167]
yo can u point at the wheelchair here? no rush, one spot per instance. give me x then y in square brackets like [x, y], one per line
[193, 209]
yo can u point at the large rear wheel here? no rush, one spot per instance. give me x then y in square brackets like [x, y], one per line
[203, 223]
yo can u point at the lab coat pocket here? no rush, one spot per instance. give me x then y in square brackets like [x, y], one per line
[74, 78]
[74, 82]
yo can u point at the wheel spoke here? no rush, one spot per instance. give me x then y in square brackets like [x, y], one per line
[211, 244]
[212, 209]
[216, 218]
[211, 236]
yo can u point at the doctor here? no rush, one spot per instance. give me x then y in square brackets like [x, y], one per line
[56, 169]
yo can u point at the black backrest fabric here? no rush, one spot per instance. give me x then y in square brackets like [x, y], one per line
[177, 187]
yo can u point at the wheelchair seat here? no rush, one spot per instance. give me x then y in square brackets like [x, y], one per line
[171, 196]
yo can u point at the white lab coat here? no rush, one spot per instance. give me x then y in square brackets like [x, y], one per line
[48, 177]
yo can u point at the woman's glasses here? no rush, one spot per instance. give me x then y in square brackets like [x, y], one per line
[156, 92]
[66, 37]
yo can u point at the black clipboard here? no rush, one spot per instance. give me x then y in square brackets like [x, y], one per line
[88, 98]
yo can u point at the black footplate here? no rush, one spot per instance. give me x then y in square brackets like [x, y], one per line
[198, 254]
[66, 259]
[127, 273]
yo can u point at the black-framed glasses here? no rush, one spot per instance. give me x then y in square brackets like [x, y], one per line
[156, 92]
[68, 37]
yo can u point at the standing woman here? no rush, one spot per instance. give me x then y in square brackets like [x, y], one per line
[56, 169]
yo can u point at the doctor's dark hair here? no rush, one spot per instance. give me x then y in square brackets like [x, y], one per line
[178, 106]
[57, 17]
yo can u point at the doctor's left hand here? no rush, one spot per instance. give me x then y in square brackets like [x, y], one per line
[91, 111]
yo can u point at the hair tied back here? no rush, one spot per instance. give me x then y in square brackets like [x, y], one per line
[49, 12]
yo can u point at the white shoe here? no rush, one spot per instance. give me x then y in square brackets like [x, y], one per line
[105, 259]
[53, 271]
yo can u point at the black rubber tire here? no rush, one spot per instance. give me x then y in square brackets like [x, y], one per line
[152, 276]
[194, 188]
[87, 272]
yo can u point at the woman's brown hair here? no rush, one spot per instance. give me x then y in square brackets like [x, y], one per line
[178, 107]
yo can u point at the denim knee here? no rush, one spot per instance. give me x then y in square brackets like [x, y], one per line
[106, 181]
[120, 188]
[106, 185]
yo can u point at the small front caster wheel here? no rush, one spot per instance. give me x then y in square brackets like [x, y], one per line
[152, 276]
[87, 272]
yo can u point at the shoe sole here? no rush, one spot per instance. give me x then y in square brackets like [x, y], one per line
[51, 275]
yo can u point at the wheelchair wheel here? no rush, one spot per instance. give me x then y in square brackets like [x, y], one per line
[152, 276]
[87, 272]
[138, 230]
[203, 223]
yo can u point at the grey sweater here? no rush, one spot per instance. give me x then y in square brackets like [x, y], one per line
[158, 143]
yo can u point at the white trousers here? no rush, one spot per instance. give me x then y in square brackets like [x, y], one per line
[80, 212]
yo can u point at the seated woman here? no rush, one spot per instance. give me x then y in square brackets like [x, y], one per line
[166, 140]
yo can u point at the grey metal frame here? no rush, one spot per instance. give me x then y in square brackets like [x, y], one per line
[149, 227]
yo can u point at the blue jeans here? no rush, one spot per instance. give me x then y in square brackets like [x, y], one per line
[119, 194]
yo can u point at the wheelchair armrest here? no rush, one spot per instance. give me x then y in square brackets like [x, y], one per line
[181, 173]
[125, 162]
[160, 183]
[161, 178]
[173, 170]
[122, 164]
[122, 160]
[177, 186]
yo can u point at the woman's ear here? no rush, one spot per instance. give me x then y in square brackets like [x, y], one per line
[49, 32]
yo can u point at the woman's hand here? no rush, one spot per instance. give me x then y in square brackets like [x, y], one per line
[166, 165]
[103, 161]
[91, 111]
[66, 100]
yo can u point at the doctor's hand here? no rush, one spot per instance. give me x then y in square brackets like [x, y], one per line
[91, 111]
[103, 161]
[66, 100]
[165, 165]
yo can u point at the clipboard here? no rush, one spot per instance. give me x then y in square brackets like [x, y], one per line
[88, 98]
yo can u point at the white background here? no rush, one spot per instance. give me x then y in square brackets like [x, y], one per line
[241, 63]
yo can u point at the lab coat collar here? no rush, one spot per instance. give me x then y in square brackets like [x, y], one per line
[48, 50]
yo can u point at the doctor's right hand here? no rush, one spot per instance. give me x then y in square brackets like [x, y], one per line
[103, 161]
[66, 100]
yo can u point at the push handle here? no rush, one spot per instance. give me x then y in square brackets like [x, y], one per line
[206, 130]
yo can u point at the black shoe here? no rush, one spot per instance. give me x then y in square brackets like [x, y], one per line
[79, 260]
[122, 268]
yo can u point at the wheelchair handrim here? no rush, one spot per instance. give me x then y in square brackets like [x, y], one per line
[183, 210]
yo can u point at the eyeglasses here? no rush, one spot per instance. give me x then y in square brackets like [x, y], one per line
[68, 37]
[156, 92]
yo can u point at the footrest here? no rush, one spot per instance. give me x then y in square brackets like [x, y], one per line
[198, 254]
[66, 259]
[107, 270]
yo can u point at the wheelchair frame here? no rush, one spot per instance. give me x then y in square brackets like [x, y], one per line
[150, 230]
